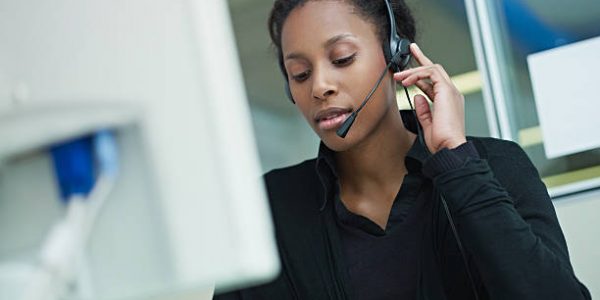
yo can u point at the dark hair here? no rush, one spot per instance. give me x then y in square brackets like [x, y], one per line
[374, 11]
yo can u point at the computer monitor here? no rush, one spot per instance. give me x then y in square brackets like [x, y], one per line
[188, 208]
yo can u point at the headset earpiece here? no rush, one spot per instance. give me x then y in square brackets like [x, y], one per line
[399, 48]
[403, 58]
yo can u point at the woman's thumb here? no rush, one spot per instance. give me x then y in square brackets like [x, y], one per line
[423, 111]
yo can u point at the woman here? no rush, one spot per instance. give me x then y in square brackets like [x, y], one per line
[367, 218]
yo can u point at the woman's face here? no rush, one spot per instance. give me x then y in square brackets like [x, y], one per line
[333, 58]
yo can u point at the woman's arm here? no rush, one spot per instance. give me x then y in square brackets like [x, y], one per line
[507, 222]
[506, 218]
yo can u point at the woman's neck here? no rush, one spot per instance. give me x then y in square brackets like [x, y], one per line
[371, 173]
[378, 162]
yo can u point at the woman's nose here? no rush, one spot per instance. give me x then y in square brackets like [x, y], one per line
[323, 86]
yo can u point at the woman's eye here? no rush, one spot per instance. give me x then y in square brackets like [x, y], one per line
[301, 76]
[344, 61]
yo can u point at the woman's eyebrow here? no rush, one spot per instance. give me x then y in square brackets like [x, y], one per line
[336, 39]
[326, 44]
[293, 55]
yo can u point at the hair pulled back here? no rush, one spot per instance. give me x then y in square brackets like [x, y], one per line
[373, 11]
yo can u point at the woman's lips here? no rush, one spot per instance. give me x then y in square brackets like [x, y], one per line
[332, 120]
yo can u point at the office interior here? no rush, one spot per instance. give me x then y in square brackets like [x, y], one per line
[151, 239]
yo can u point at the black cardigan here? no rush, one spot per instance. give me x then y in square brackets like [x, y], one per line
[505, 219]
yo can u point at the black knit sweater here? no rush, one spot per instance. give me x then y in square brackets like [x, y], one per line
[504, 216]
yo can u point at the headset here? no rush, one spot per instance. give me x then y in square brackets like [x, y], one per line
[397, 55]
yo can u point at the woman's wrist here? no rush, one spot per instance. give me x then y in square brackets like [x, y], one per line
[452, 144]
[447, 159]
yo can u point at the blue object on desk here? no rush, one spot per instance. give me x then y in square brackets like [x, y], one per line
[74, 167]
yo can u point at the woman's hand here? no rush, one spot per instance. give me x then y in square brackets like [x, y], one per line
[444, 123]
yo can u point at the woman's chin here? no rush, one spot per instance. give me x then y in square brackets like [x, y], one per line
[336, 143]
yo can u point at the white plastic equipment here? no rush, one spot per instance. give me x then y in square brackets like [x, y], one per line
[189, 207]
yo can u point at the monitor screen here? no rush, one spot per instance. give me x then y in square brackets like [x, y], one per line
[188, 208]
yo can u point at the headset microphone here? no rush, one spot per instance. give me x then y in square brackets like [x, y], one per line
[343, 130]
[397, 52]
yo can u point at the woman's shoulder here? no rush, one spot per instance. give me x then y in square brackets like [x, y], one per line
[295, 194]
[510, 165]
[502, 153]
[493, 147]
[297, 171]
[291, 187]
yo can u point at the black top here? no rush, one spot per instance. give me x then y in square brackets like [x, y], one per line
[382, 264]
[504, 216]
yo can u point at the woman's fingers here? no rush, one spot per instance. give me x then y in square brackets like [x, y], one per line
[447, 130]
[425, 78]
[423, 60]
[419, 56]
[413, 77]
[427, 88]
[443, 72]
